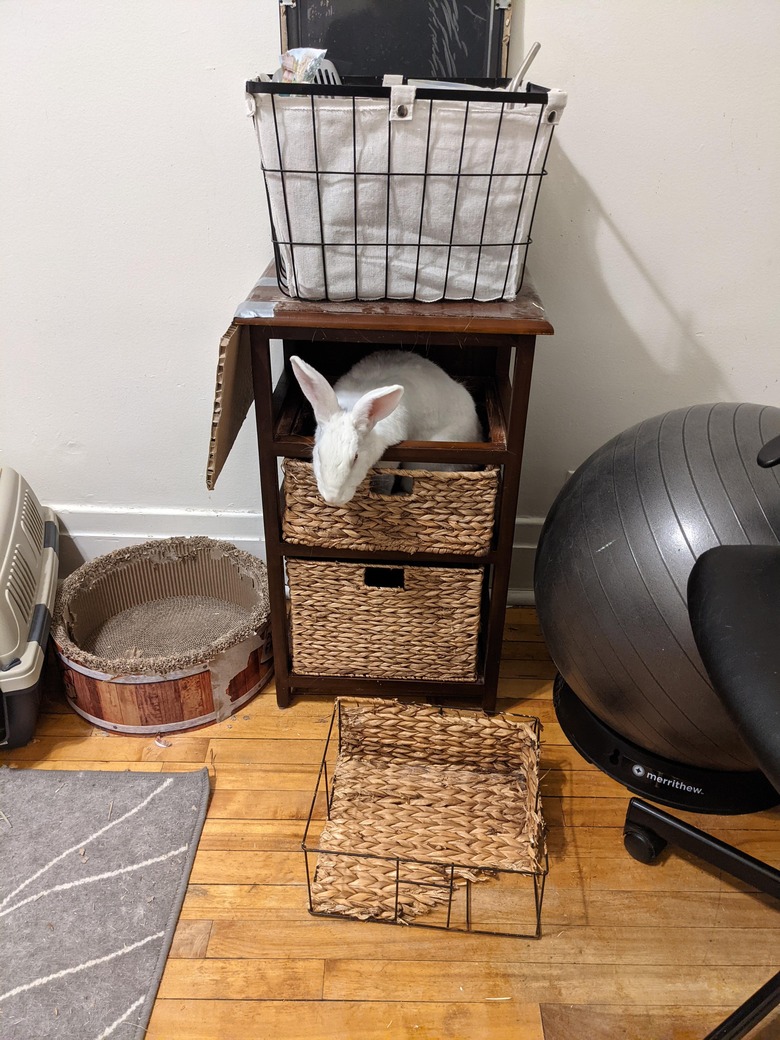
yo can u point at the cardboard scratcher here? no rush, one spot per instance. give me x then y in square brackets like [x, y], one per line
[164, 636]
[424, 805]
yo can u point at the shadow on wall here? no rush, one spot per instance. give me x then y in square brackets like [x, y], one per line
[71, 554]
[600, 373]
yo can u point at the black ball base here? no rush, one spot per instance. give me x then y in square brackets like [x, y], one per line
[656, 778]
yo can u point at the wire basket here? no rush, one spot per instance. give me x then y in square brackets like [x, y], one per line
[433, 819]
[402, 192]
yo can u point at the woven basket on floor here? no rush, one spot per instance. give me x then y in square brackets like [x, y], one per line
[384, 621]
[436, 511]
[422, 801]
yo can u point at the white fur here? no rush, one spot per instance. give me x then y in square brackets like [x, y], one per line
[387, 397]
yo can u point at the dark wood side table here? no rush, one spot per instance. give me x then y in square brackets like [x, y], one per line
[489, 346]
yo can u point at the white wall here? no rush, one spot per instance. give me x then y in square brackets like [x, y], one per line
[133, 220]
[656, 241]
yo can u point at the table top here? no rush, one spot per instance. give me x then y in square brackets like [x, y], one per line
[267, 305]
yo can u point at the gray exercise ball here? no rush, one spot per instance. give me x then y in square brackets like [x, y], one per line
[613, 563]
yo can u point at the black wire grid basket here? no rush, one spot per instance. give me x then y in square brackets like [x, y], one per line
[432, 820]
[402, 192]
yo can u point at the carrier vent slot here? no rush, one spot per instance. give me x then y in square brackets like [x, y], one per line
[20, 589]
[32, 522]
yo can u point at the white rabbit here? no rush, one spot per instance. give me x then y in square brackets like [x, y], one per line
[387, 397]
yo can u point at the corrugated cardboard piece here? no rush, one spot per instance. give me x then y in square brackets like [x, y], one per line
[233, 395]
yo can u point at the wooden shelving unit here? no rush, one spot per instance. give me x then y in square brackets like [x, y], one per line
[488, 346]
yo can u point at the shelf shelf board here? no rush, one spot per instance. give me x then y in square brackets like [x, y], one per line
[293, 432]
[267, 307]
[337, 684]
[317, 552]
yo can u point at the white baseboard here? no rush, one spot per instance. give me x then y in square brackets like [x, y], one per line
[86, 533]
[521, 578]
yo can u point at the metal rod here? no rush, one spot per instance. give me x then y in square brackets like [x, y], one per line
[526, 175]
[281, 173]
[346, 90]
[422, 203]
[455, 200]
[319, 197]
[308, 881]
[397, 885]
[452, 891]
[487, 201]
[354, 190]
[704, 846]
[748, 1015]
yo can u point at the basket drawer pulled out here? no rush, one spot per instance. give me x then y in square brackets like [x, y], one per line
[437, 511]
[384, 622]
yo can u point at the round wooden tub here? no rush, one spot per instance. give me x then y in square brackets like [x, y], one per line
[164, 636]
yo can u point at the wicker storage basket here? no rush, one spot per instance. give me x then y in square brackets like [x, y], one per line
[422, 803]
[164, 636]
[384, 622]
[439, 511]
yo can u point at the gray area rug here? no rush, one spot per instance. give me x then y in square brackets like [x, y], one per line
[93, 871]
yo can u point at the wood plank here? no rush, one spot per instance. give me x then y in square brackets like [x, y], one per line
[580, 857]
[245, 902]
[257, 868]
[292, 724]
[528, 669]
[191, 939]
[280, 904]
[259, 777]
[525, 686]
[100, 746]
[595, 936]
[526, 650]
[239, 751]
[256, 902]
[556, 983]
[611, 812]
[265, 805]
[242, 980]
[78, 764]
[611, 1022]
[601, 943]
[332, 1020]
[525, 615]
[253, 835]
[67, 724]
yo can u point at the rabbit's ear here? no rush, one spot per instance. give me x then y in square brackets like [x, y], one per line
[375, 405]
[317, 390]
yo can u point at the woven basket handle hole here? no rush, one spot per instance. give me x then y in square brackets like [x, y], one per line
[384, 577]
[391, 484]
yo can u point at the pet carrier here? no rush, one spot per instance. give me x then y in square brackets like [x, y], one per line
[400, 191]
[28, 577]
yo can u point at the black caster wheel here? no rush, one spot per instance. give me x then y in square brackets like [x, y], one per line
[643, 844]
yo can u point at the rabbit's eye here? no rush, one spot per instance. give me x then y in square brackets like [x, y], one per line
[355, 458]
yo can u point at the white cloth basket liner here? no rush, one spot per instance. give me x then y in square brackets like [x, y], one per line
[370, 208]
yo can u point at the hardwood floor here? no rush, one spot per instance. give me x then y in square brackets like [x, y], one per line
[628, 952]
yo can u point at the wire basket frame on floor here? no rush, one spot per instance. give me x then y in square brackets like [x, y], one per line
[433, 820]
[426, 200]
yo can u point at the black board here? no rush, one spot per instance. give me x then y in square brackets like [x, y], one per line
[437, 39]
